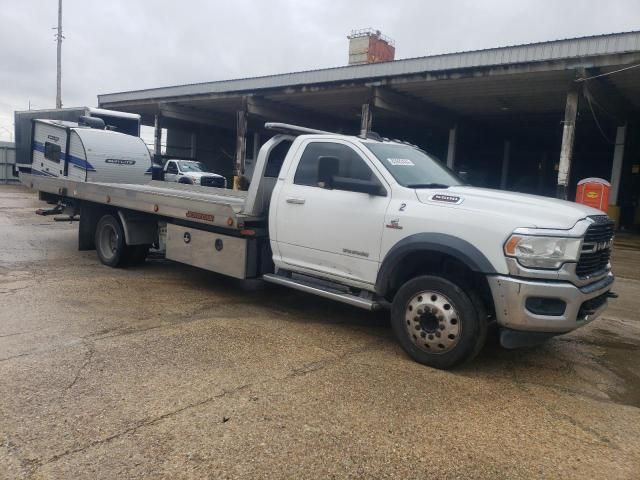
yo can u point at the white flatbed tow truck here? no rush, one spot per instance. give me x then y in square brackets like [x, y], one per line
[372, 223]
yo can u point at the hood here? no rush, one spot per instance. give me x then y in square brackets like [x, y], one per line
[200, 174]
[532, 211]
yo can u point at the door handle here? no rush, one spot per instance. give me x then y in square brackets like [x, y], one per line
[296, 201]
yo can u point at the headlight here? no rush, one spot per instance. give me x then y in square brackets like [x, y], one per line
[542, 252]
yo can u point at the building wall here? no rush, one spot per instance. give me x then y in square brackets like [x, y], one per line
[8, 173]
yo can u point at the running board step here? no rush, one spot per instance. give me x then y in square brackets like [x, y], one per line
[308, 287]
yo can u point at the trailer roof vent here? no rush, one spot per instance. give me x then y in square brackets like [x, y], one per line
[91, 122]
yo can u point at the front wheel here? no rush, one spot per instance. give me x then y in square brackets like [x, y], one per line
[437, 323]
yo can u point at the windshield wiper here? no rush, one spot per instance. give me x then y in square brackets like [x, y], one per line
[427, 185]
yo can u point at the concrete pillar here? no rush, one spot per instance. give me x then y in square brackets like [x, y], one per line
[366, 119]
[256, 146]
[568, 136]
[616, 169]
[451, 149]
[506, 157]
[241, 147]
[193, 152]
[157, 139]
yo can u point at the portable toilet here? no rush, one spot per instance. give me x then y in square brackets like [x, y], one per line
[594, 192]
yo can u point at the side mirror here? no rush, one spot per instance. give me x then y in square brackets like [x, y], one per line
[356, 185]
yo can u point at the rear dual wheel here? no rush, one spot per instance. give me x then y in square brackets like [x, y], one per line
[111, 246]
[437, 323]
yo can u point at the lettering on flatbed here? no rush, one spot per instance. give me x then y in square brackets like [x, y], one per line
[200, 216]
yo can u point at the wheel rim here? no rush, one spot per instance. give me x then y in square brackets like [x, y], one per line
[108, 241]
[432, 322]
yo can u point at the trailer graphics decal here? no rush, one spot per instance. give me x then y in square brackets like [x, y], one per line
[119, 161]
[74, 161]
[200, 216]
[441, 197]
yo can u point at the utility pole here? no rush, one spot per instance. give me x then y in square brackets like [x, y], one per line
[59, 38]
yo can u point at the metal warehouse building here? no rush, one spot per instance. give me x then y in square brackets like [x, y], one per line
[533, 118]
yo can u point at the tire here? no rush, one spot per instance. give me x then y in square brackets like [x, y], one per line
[186, 181]
[110, 243]
[137, 254]
[437, 323]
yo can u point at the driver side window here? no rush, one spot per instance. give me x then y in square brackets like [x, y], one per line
[323, 160]
[172, 168]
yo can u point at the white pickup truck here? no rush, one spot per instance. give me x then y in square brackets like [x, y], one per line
[191, 172]
[375, 224]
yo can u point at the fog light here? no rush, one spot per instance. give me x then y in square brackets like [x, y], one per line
[546, 306]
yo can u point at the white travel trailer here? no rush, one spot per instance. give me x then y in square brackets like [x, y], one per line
[86, 152]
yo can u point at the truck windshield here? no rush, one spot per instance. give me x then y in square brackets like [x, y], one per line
[412, 167]
[190, 166]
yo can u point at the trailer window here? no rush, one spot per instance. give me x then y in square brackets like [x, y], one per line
[52, 152]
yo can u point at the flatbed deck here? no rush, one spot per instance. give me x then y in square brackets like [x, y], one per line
[206, 205]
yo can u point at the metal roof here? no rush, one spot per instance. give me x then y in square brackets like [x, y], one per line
[592, 46]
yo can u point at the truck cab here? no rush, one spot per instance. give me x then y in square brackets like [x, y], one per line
[389, 221]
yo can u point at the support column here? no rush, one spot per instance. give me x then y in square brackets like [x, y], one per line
[256, 146]
[157, 140]
[241, 146]
[366, 119]
[568, 136]
[451, 149]
[194, 146]
[506, 157]
[616, 168]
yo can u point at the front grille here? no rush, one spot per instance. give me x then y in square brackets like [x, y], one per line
[212, 182]
[596, 248]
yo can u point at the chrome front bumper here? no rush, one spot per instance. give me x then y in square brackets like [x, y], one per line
[510, 296]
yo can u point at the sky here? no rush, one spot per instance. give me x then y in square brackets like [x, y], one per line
[119, 45]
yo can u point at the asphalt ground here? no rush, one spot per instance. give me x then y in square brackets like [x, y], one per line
[166, 371]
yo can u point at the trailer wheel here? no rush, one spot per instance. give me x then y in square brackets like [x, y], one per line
[110, 243]
[137, 254]
[437, 323]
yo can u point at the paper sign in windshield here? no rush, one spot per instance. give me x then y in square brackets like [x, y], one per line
[405, 162]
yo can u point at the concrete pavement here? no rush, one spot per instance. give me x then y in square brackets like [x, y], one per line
[165, 371]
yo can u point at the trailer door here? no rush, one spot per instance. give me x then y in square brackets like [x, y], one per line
[49, 150]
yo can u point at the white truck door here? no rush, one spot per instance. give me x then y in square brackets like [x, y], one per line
[326, 225]
[171, 171]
